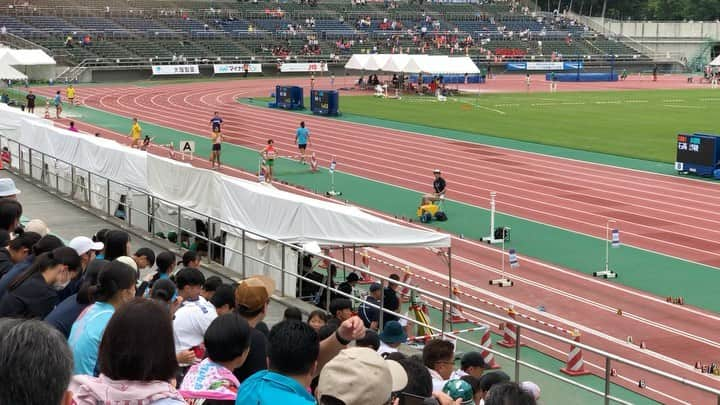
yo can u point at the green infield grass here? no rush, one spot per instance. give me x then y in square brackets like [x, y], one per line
[637, 124]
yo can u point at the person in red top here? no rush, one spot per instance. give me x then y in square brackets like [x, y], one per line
[269, 154]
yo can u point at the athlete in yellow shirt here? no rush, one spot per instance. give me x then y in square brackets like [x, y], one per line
[70, 93]
[135, 134]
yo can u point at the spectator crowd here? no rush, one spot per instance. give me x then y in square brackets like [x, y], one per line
[79, 324]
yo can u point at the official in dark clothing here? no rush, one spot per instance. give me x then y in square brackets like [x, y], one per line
[439, 187]
[391, 301]
[369, 314]
[46, 244]
[17, 251]
[347, 286]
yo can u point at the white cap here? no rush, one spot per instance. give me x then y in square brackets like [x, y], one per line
[83, 244]
[7, 188]
[129, 261]
[436, 171]
[38, 226]
[532, 388]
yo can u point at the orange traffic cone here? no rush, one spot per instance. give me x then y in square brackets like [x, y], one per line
[575, 365]
[456, 313]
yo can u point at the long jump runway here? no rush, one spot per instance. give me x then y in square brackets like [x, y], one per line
[575, 195]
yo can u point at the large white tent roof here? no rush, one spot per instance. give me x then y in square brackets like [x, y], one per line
[358, 61]
[7, 72]
[25, 57]
[243, 204]
[432, 64]
[716, 61]
[377, 61]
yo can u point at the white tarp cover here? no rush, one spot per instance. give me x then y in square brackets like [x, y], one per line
[266, 252]
[188, 186]
[357, 61]
[25, 57]
[7, 72]
[377, 61]
[297, 219]
[716, 61]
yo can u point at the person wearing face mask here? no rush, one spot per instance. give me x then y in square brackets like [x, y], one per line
[33, 294]
[116, 286]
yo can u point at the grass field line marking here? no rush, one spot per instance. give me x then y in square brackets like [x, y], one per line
[674, 100]
[483, 107]
[710, 99]
[529, 308]
[684, 106]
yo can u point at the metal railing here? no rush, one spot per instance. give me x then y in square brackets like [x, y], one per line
[83, 187]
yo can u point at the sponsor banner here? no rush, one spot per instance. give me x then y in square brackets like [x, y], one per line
[237, 68]
[544, 66]
[159, 70]
[303, 67]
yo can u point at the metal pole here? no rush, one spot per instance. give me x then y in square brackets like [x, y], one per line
[42, 175]
[282, 268]
[89, 189]
[607, 381]
[152, 215]
[72, 181]
[343, 259]
[517, 353]
[243, 254]
[179, 225]
[381, 317]
[607, 245]
[108, 198]
[450, 283]
[328, 283]
[31, 161]
[444, 319]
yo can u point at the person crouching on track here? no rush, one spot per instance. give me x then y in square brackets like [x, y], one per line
[439, 187]
[216, 145]
[269, 154]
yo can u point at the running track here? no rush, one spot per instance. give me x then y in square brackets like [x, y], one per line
[569, 298]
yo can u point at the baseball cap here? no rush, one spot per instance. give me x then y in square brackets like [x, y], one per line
[352, 277]
[532, 388]
[38, 226]
[83, 244]
[472, 359]
[7, 188]
[253, 293]
[459, 389]
[360, 376]
[393, 332]
[375, 287]
[436, 171]
[127, 260]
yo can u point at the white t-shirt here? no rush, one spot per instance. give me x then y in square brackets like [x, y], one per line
[384, 348]
[437, 380]
[191, 321]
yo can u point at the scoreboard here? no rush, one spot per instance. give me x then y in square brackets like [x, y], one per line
[697, 153]
[324, 102]
[289, 97]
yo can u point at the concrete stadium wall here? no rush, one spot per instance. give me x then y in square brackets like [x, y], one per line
[667, 30]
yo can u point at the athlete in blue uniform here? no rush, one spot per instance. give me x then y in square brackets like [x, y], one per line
[302, 139]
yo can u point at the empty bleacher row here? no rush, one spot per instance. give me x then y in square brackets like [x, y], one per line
[247, 29]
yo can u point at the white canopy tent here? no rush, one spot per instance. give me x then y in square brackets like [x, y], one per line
[357, 62]
[377, 61]
[33, 62]
[716, 61]
[7, 72]
[396, 63]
